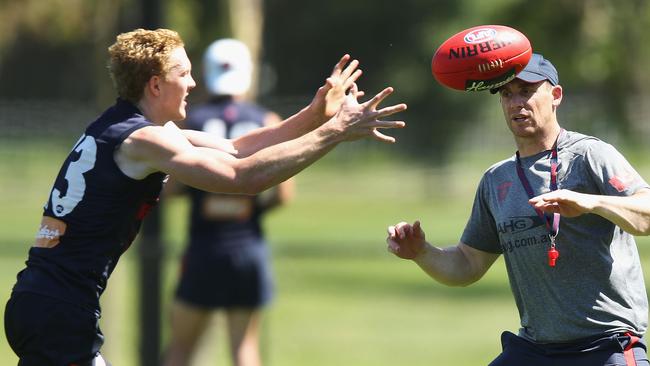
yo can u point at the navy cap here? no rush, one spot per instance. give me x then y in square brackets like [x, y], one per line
[537, 69]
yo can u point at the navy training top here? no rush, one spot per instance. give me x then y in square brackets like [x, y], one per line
[223, 222]
[102, 209]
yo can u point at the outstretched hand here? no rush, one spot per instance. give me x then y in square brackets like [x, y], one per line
[406, 241]
[355, 121]
[330, 96]
[565, 202]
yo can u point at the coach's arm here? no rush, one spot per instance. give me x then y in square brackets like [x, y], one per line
[459, 265]
[630, 213]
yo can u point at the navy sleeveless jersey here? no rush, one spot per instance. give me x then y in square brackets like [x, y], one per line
[223, 221]
[102, 209]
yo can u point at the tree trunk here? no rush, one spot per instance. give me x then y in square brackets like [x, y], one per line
[246, 25]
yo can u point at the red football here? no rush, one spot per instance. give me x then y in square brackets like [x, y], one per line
[481, 58]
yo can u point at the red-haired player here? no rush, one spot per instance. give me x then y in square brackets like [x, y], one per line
[116, 170]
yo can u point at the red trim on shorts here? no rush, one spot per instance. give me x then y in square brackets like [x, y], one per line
[628, 352]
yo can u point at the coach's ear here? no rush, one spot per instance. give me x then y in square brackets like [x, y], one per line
[557, 95]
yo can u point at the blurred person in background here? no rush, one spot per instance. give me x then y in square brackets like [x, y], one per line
[226, 263]
[563, 211]
[116, 170]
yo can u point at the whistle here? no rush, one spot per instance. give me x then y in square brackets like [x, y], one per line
[553, 255]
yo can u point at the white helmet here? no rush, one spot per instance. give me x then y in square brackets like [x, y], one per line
[227, 67]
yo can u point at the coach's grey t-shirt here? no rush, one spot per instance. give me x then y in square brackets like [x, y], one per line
[597, 284]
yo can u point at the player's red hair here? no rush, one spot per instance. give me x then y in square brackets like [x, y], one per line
[138, 55]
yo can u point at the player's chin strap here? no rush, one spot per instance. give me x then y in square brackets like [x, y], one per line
[628, 351]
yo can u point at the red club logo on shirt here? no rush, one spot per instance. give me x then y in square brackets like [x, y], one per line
[502, 190]
[621, 183]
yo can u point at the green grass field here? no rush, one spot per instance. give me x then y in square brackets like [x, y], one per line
[341, 298]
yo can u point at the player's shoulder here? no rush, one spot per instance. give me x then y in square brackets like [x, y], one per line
[147, 135]
[117, 122]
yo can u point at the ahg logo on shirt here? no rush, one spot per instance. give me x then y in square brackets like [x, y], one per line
[518, 224]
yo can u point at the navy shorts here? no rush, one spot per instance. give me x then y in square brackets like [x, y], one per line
[44, 331]
[605, 351]
[222, 279]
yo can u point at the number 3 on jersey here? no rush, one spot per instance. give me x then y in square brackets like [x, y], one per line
[64, 204]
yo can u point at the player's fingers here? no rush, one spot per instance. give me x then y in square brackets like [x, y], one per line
[350, 69]
[338, 68]
[382, 138]
[348, 81]
[354, 88]
[228, 148]
[354, 91]
[389, 124]
[372, 103]
[387, 111]
[329, 84]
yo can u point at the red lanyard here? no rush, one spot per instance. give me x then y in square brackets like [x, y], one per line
[552, 224]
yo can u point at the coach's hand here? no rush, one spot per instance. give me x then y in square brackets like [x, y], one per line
[406, 241]
[565, 202]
